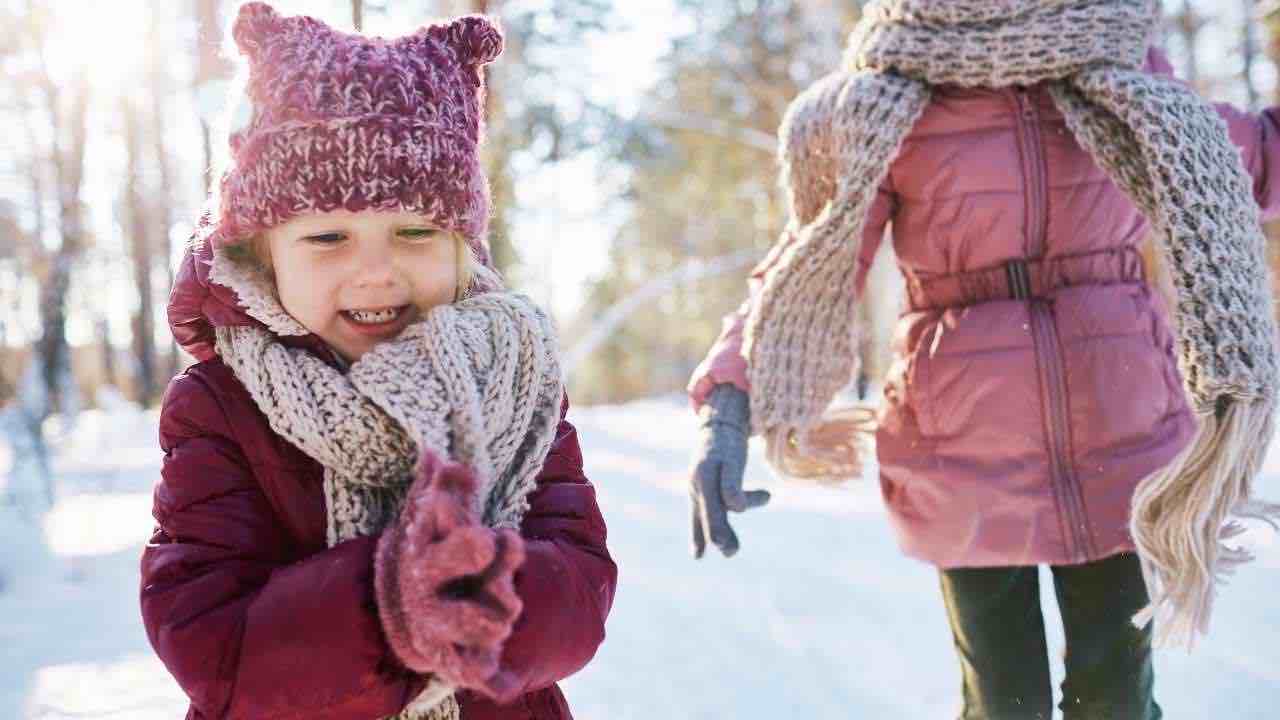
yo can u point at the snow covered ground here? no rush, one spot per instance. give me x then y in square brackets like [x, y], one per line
[819, 616]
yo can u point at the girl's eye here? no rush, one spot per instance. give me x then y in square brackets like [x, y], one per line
[325, 238]
[419, 233]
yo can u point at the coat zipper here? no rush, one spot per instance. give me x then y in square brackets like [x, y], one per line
[1065, 483]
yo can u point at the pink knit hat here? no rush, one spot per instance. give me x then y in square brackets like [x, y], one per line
[345, 121]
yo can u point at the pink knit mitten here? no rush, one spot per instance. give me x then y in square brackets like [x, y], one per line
[445, 583]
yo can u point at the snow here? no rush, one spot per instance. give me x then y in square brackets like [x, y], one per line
[819, 616]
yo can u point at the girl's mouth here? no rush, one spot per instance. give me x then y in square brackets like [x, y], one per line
[377, 321]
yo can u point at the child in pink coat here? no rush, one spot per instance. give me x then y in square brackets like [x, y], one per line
[1036, 381]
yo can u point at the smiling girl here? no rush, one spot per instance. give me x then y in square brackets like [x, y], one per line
[370, 504]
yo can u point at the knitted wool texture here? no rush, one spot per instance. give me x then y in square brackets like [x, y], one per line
[477, 382]
[1160, 143]
[331, 120]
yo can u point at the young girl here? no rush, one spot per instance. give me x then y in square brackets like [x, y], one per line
[1022, 153]
[371, 505]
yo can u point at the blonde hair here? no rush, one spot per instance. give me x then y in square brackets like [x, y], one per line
[255, 254]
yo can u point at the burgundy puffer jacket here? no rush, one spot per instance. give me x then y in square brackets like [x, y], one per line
[1034, 383]
[258, 620]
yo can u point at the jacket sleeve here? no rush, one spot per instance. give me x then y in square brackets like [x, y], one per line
[568, 578]
[724, 363]
[1256, 134]
[247, 630]
[1258, 137]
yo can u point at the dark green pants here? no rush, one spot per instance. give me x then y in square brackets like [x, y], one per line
[999, 635]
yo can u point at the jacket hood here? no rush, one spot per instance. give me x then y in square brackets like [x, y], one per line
[212, 291]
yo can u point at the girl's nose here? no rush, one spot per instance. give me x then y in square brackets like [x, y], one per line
[375, 268]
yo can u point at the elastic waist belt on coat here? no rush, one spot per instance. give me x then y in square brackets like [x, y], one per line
[1023, 279]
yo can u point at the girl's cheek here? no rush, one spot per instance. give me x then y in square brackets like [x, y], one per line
[435, 277]
[439, 293]
[307, 284]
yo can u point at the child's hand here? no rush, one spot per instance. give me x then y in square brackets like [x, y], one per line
[445, 583]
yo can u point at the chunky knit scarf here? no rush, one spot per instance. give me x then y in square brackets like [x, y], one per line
[1156, 139]
[477, 381]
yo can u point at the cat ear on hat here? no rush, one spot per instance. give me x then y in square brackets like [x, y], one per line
[475, 39]
[254, 23]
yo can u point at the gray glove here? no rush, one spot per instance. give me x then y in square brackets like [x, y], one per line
[716, 485]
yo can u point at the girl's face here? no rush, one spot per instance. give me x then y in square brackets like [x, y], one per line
[356, 279]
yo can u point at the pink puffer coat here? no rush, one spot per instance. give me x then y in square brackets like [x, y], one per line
[1034, 382]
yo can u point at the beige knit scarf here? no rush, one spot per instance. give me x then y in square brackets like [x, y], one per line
[1160, 143]
[477, 381]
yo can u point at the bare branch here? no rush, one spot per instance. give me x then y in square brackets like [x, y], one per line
[685, 274]
[748, 137]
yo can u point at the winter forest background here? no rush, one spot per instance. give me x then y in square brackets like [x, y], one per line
[631, 152]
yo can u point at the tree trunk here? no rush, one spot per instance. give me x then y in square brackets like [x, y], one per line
[6, 385]
[163, 207]
[141, 255]
[496, 153]
[1248, 46]
[211, 70]
[103, 332]
[1188, 24]
[68, 161]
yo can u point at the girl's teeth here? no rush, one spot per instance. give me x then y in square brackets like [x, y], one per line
[370, 317]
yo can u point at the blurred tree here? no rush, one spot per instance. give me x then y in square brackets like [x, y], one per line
[538, 111]
[140, 230]
[153, 271]
[11, 239]
[1187, 24]
[161, 89]
[1248, 51]
[212, 74]
[102, 331]
[53, 114]
[1269, 16]
[703, 183]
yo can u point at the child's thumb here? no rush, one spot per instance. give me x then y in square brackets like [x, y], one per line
[459, 483]
[435, 472]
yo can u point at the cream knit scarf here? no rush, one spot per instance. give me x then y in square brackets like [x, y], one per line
[1160, 143]
[477, 381]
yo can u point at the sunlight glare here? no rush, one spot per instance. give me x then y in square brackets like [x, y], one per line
[103, 41]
